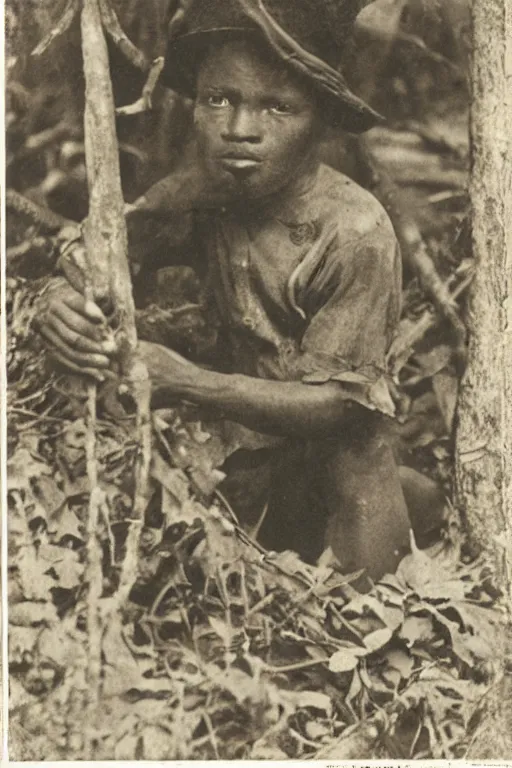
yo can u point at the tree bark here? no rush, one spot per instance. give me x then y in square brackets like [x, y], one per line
[484, 432]
[105, 228]
[108, 279]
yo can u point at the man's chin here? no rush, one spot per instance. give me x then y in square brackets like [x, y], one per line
[248, 187]
[242, 184]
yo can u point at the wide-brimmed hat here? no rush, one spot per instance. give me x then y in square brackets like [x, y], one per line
[309, 36]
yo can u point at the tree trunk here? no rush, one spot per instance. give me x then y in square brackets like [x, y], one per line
[484, 432]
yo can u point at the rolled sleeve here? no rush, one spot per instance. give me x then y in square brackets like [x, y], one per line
[352, 308]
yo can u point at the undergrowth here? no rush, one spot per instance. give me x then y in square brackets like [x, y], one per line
[224, 650]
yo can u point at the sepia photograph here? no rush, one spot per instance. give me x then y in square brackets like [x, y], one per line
[257, 380]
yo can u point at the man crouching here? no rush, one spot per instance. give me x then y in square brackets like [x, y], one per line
[304, 272]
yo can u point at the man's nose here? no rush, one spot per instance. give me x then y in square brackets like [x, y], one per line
[243, 125]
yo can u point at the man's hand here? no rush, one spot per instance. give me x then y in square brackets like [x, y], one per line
[75, 330]
[169, 372]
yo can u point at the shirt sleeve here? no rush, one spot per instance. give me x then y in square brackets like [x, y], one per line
[351, 301]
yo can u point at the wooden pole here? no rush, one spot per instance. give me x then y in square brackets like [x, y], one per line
[105, 229]
[484, 415]
[108, 279]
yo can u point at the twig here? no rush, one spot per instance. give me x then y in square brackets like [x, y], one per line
[38, 141]
[404, 343]
[255, 530]
[94, 577]
[118, 36]
[62, 26]
[24, 248]
[434, 139]
[343, 621]
[302, 739]
[450, 194]
[141, 391]
[227, 506]
[47, 220]
[294, 667]
[145, 103]
[213, 739]
[35, 416]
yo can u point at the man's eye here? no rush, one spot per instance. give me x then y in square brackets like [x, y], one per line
[280, 108]
[218, 101]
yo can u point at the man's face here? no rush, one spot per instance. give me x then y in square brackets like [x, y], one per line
[256, 125]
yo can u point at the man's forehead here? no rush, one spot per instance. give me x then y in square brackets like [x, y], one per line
[248, 60]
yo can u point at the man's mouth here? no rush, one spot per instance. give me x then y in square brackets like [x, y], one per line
[240, 162]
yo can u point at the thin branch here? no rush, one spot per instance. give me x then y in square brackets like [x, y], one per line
[38, 246]
[61, 27]
[119, 38]
[403, 345]
[141, 392]
[36, 142]
[47, 220]
[94, 577]
[145, 103]
[294, 667]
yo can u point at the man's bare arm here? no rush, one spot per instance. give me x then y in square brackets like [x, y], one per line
[287, 408]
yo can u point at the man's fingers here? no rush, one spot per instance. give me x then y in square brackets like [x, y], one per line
[77, 303]
[75, 340]
[78, 323]
[78, 369]
[80, 359]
